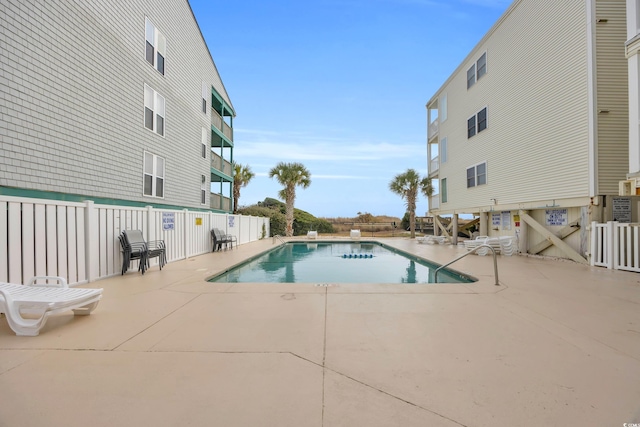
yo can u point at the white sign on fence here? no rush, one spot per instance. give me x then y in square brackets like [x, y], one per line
[556, 216]
[232, 220]
[168, 220]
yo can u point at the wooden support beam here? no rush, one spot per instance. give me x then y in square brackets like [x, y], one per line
[568, 250]
[562, 234]
[442, 228]
[465, 228]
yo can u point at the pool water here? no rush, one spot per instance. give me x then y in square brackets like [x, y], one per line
[345, 262]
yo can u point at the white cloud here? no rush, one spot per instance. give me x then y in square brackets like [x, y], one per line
[255, 144]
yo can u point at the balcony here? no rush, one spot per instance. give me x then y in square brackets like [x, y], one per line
[434, 165]
[434, 128]
[220, 124]
[218, 163]
[219, 202]
[434, 202]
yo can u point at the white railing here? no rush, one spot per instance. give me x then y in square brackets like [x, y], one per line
[600, 247]
[434, 202]
[433, 129]
[616, 245]
[221, 164]
[220, 124]
[79, 241]
[218, 201]
[434, 165]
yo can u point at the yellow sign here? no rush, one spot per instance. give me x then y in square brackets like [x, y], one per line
[198, 221]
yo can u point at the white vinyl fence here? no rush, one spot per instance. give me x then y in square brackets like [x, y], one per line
[616, 245]
[79, 241]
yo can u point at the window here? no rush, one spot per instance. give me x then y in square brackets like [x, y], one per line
[154, 107]
[481, 173]
[204, 97]
[155, 46]
[477, 70]
[482, 120]
[203, 190]
[481, 65]
[443, 190]
[471, 76]
[443, 150]
[204, 143]
[477, 175]
[471, 127]
[471, 177]
[153, 175]
[477, 123]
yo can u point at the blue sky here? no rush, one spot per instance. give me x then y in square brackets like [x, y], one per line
[339, 86]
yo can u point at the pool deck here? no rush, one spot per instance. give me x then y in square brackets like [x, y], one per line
[557, 343]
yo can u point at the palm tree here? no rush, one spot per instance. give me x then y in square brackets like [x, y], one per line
[290, 175]
[242, 174]
[406, 185]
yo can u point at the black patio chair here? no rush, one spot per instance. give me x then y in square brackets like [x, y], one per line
[219, 239]
[151, 249]
[132, 252]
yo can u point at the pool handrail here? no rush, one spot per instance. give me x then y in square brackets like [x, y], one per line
[279, 237]
[495, 262]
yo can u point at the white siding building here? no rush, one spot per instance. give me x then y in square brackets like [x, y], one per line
[633, 56]
[529, 134]
[119, 103]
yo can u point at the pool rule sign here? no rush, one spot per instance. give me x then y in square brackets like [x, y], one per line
[168, 220]
[622, 209]
[556, 216]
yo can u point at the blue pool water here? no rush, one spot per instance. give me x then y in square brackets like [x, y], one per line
[328, 262]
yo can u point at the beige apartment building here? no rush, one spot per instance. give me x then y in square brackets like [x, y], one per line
[530, 134]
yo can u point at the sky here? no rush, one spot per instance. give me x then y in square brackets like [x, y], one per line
[339, 86]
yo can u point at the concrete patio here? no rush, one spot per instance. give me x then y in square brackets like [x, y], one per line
[557, 343]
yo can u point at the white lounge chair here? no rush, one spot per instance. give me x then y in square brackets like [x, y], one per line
[355, 234]
[494, 242]
[38, 301]
[508, 246]
[312, 234]
[472, 244]
[441, 240]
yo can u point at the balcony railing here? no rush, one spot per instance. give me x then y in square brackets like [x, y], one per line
[433, 128]
[434, 165]
[220, 164]
[434, 202]
[220, 124]
[218, 201]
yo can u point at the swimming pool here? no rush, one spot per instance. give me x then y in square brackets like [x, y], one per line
[331, 262]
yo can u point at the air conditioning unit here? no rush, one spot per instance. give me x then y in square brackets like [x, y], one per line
[627, 188]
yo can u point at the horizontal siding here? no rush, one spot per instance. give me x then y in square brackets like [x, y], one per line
[536, 144]
[72, 75]
[612, 95]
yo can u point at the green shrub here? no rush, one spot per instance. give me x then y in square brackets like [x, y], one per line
[276, 218]
[275, 210]
[406, 221]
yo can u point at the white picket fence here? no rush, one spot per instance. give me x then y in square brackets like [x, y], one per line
[79, 241]
[615, 245]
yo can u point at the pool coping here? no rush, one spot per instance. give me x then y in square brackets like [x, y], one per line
[379, 242]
